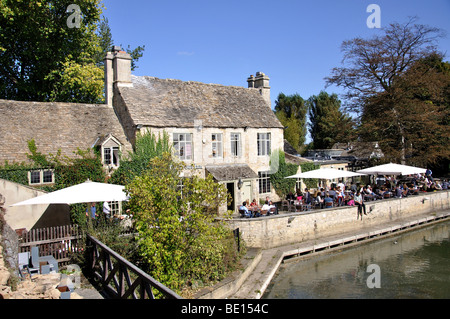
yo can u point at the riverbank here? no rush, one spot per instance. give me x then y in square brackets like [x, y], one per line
[264, 263]
[291, 228]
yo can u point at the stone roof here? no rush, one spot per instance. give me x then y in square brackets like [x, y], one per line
[231, 172]
[53, 126]
[174, 103]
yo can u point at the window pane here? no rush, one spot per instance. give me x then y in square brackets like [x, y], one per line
[48, 176]
[183, 145]
[107, 156]
[264, 182]
[264, 144]
[115, 157]
[236, 144]
[35, 177]
[216, 145]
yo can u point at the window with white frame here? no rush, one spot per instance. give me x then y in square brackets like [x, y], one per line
[115, 208]
[264, 182]
[111, 156]
[217, 149]
[264, 144]
[41, 177]
[182, 144]
[236, 145]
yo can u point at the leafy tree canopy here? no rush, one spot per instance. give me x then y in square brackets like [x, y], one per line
[43, 57]
[328, 124]
[291, 111]
[397, 83]
[180, 243]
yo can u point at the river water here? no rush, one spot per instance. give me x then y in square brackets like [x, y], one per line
[415, 264]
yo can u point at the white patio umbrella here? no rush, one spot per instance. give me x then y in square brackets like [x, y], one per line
[87, 192]
[325, 173]
[392, 169]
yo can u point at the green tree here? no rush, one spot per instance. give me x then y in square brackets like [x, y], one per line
[282, 169]
[37, 48]
[179, 241]
[291, 111]
[44, 58]
[376, 73]
[106, 42]
[421, 97]
[147, 146]
[328, 124]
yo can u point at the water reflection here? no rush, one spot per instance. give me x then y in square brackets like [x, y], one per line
[413, 265]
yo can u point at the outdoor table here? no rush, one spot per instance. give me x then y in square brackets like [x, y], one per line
[48, 264]
[254, 210]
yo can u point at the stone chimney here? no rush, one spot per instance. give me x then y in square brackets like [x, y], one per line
[117, 72]
[260, 82]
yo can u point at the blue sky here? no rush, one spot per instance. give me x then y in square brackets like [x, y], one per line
[296, 43]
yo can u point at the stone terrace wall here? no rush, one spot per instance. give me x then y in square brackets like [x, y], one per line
[285, 229]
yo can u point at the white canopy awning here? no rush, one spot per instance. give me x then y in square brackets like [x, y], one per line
[392, 169]
[326, 173]
[87, 192]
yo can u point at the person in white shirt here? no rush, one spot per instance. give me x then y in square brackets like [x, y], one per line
[106, 210]
[359, 201]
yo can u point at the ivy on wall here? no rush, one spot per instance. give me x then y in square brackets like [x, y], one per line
[279, 171]
[68, 171]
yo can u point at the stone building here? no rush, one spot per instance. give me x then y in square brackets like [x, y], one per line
[63, 127]
[226, 131]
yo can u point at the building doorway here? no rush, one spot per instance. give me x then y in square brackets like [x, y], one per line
[230, 190]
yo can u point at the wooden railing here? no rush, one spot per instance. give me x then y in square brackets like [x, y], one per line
[58, 241]
[120, 278]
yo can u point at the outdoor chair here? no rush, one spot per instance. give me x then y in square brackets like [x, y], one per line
[292, 208]
[33, 267]
[242, 213]
[328, 204]
[285, 203]
[23, 261]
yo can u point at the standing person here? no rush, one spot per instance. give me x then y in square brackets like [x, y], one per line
[93, 211]
[106, 210]
[359, 201]
[428, 174]
[307, 198]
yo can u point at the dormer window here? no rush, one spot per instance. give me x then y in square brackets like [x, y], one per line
[111, 156]
[109, 148]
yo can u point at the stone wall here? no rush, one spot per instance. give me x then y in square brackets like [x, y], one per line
[285, 229]
[30, 216]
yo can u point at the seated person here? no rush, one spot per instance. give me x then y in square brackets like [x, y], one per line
[254, 203]
[328, 199]
[398, 192]
[299, 196]
[269, 207]
[351, 201]
[244, 208]
[332, 193]
[367, 193]
[290, 197]
[319, 199]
